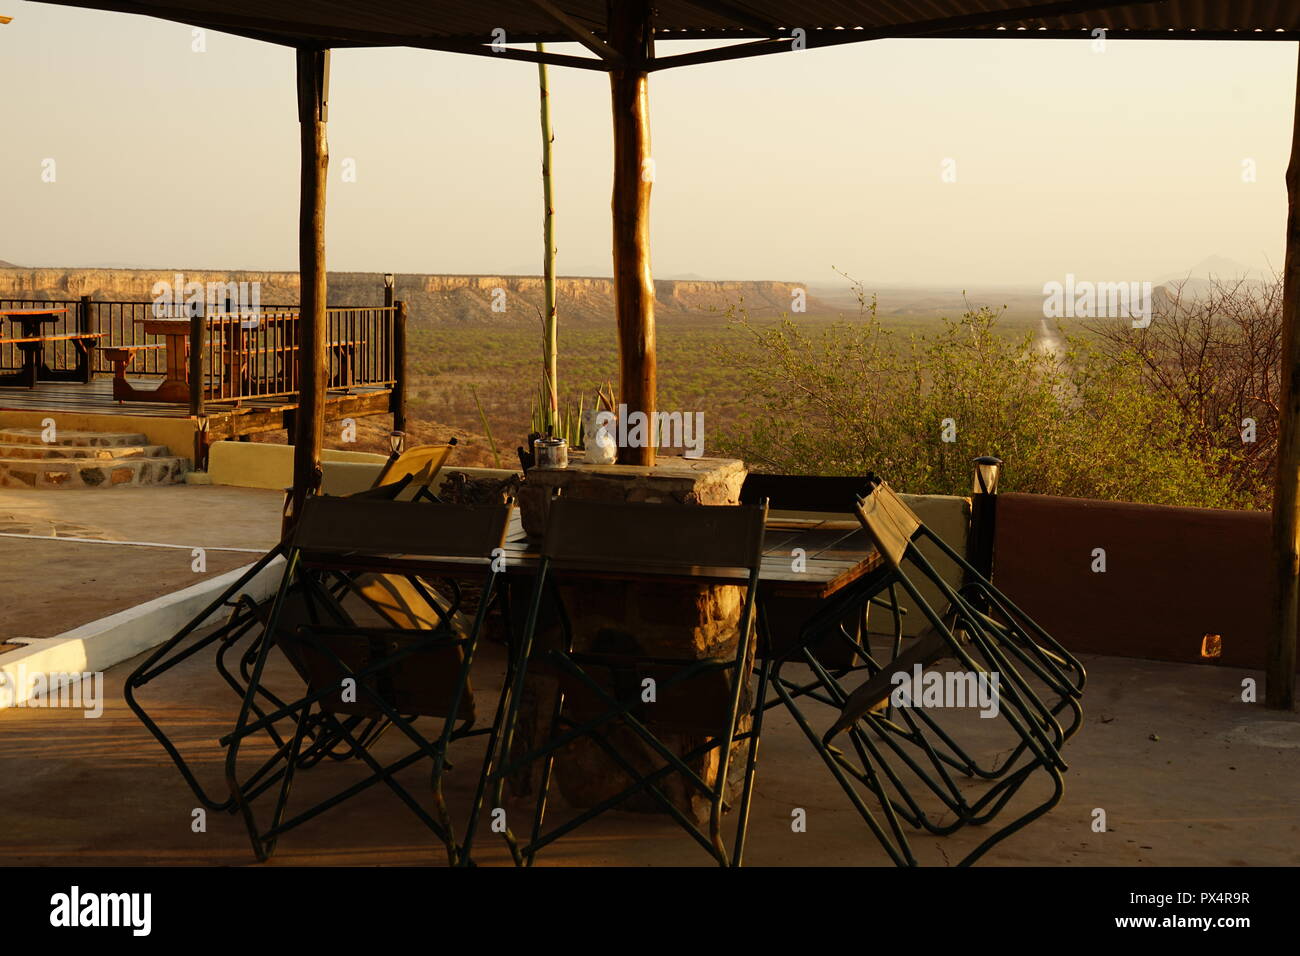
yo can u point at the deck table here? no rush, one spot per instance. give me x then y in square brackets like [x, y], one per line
[836, 552]
[807, 558]
[175, 386]
[32, 340]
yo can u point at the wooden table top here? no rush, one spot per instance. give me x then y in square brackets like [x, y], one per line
[165, 326]
[837, 551]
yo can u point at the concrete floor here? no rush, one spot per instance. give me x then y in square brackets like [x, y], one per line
[51, 586]
[1186, 773]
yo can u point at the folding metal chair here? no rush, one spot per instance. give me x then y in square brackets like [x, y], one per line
[387, 676]
[599, 691]
[416, 467]
[242, 621]
[785, 619]
[908, 757]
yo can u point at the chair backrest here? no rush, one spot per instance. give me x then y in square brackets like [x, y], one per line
[833, 494]
[422, 463]
[653, 538]
[888, 520]
[341, 526]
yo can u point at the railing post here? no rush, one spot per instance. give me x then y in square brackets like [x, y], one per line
[197, 322]
[83, 326]
[399, 367]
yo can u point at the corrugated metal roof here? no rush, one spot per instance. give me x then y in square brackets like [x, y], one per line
[455, 23]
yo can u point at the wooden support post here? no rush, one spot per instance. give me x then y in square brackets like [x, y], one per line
[630, 33]
[83, 315]
[1279, 692]
[198, 322]
[313, 113]
[399, 368]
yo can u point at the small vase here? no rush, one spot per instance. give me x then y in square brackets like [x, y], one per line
[599, 447]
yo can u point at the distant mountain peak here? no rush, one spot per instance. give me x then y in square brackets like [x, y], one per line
[1215, 267]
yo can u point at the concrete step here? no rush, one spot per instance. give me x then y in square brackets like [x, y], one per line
[73, 439]
[23, 450]
[49, 473]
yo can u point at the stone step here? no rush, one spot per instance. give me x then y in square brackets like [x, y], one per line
[73, 439]
[91, 473]
[24, 450]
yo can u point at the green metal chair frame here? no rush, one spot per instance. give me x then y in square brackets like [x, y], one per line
[419, 465]
[391, 669]
[985, 632]
[586, 539]
[242, 621]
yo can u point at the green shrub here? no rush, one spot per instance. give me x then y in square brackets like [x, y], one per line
[855, 397]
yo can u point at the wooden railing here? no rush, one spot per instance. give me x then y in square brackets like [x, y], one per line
[232, 356]
[258, 358]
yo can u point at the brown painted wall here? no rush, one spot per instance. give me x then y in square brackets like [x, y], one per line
[1172, 575]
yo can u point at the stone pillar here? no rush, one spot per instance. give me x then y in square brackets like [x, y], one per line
[656, 619]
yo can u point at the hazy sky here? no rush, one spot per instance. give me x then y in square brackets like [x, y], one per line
[1121, 165]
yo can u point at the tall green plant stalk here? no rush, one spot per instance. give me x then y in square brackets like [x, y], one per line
[487, 429]
[550, 341]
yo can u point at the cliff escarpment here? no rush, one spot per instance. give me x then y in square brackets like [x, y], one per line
[433, 299]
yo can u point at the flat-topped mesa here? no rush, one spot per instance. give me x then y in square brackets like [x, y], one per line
[430, 298]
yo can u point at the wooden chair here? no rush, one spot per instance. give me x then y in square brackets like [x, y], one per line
[394, 674]
[586, 540]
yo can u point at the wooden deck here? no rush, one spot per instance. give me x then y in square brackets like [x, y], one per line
[225, 420]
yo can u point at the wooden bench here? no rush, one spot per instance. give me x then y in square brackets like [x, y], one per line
[175, 387]
[34, 368]
[342, 378]
[121, 356]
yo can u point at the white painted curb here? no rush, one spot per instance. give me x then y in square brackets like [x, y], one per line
[100, 644]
